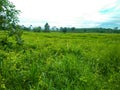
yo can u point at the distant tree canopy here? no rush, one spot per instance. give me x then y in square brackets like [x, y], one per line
[8, 14]
[37, 29]
[47, 27]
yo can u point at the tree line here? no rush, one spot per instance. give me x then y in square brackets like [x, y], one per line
[47, 28]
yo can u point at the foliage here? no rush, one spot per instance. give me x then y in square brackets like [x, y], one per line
[9, 20]
[95, 30]
[17, 34]
[37, 29]
[47, 27]
[64, 30]
[8, 14]
[57, 61]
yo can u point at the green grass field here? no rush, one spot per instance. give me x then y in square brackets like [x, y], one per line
[58, 61]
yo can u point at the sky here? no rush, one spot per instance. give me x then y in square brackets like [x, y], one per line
[69, 13]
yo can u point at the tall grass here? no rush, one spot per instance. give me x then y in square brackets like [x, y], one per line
[57, 61]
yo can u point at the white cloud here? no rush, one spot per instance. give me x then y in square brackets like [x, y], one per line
[63, 12]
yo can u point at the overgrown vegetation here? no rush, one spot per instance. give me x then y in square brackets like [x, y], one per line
[57, 61]
[8, 15]
[9, 24]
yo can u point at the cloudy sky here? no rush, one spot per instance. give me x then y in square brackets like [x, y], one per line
[69, 13]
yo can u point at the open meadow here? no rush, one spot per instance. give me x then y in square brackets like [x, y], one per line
[58, 61]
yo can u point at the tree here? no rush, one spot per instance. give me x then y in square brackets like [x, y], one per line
[30, 27]
[63, 29]
[37, 29]
[47, 27]
[116, 28]
[8, 14]
[54, 28]
[73, 28]
[9, 20]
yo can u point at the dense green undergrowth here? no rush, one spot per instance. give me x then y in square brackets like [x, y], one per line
[57, 61]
